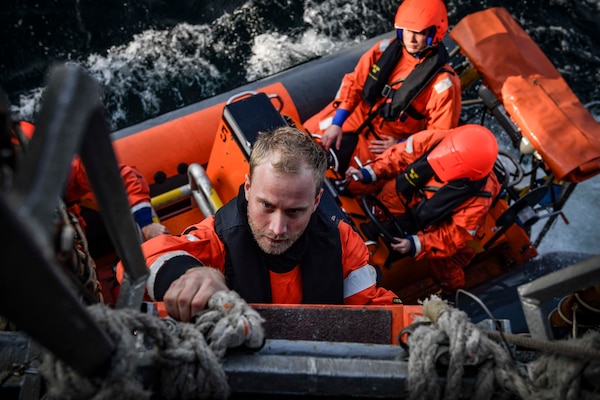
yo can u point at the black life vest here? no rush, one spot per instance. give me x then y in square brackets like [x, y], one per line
[376, 85]
[318, 252]
[441, 205]
[415, 176]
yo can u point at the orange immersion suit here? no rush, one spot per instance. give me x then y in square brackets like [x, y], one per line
[78, 193]
[439, 102]
[79, 198]
[444, 244]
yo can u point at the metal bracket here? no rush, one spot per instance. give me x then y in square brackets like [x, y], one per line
[556, 284]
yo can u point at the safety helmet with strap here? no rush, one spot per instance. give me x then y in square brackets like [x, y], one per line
[466, 152]
[419, 15]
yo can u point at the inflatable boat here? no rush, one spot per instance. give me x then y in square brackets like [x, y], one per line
[195, 159]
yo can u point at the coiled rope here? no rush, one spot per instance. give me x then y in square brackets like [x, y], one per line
[185, 357]
[498, 376]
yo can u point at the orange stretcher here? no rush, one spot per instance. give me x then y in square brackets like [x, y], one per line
[535, 95]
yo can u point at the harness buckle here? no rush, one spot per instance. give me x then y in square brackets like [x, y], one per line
[387, 90]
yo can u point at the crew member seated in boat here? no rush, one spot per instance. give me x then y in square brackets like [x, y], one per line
[271, 244]
[439, 185]
[400, 86]
[80, 201]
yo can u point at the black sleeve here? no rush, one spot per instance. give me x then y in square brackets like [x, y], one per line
[170, 271]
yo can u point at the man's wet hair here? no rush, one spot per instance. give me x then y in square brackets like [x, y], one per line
[296, 149]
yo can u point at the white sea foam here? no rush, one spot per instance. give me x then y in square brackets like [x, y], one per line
[143, 70]
[274, 52]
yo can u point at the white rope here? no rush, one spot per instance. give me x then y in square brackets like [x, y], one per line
[559, 376]
[185, 357]
[452, 335]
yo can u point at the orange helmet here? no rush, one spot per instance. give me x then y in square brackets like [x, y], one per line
[418, 15]
[467, 152]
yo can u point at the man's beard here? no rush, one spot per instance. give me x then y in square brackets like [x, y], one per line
[269, 247]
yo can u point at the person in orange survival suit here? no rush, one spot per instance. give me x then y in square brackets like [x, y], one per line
[440, 185]
[400, 86]
[271, 244]
[80, 201]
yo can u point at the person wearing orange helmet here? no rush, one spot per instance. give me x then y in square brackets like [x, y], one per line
[400, 86]
[439, 185]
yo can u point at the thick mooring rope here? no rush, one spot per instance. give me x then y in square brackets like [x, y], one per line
[185, 358]
[451, 336]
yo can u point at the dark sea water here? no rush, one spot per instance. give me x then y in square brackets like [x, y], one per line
[153, 56]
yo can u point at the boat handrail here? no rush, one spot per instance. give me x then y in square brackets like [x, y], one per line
[203, 191]
[170, 197]
[278, 98]
[335, 164]
[247, 93]
[238, 96]
[199, 188]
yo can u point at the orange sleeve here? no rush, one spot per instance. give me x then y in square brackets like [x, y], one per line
[201, 246]
[136, 187]
[79, 192]
[355, 259]
[350, 93]
[444, 103]
[78, 185]
[394, 160]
